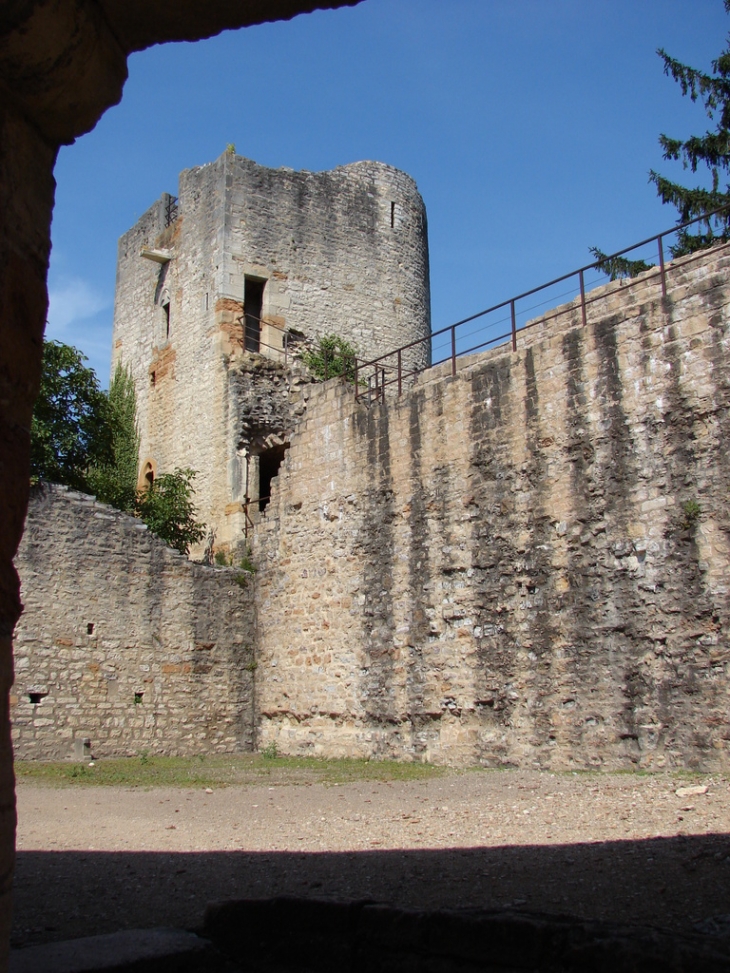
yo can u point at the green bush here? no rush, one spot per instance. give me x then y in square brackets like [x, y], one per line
[168, 510]
[331, 358]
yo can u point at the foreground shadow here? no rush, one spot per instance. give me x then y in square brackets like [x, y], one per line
[673, 882]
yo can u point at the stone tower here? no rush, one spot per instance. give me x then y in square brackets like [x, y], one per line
[220, 289]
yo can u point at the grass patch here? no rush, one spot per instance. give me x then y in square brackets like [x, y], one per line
[219, 771]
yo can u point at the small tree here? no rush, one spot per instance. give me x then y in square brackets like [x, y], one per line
[168, 510]
[332, 357]
[69, 429]
[115, 482]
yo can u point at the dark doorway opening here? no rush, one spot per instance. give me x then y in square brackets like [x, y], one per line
[269, 463]
[253, 302]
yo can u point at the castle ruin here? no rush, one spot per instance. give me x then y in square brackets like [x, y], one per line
[219, 289]
[522, 560]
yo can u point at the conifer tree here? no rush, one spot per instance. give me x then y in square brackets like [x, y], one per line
[115, 481]
[711, 150]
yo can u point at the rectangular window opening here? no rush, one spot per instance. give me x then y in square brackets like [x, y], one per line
[253, 302]
[392, 215]
[269, 463]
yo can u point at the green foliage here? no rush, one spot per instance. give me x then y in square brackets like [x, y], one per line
[710, 151]
[69, 430]
[270, 752]
[616, 267]
[691, 510]
[168, 510]
[87, 439]
[331, 358]
[246, 563]
[115, 482]
[221, 559]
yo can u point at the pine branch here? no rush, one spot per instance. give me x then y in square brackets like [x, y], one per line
[617, 267]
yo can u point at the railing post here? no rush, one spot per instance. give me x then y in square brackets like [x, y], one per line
[286, 348]
[357, 384]
[326, 369]
[453, 351]
[661, 265]
[583, 299]
[400, 374]
[514, 325]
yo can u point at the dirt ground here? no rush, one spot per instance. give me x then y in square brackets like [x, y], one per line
[622, 847]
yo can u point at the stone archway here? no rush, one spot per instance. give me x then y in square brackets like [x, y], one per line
[62, 64]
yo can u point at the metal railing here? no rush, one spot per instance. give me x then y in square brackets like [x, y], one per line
[252, 336]
[389, 372]
[172, 210]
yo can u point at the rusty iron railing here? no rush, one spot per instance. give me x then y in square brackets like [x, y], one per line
[172, 210]
[372, 379]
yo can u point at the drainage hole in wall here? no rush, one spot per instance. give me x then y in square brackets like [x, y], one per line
[89, 628]
[36, 698]
[138, 698]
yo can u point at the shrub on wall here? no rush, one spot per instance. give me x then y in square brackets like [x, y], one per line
[330, 358]
[87, 439]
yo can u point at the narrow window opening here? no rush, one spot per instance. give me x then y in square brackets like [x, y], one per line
[166, 309]
[206, 300]
[153, 379]
[147, 475]
[36, 698]
[269, 463]
[253, 302]
[90, 628]
[392, 215]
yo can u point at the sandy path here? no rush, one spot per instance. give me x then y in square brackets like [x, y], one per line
[610, 846]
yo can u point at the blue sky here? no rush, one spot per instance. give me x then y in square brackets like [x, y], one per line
[529, 126]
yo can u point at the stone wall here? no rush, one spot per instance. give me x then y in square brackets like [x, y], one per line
[125, 642]
[344, 251]
[526, 564]
[340, 252]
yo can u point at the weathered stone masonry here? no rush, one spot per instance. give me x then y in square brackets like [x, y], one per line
[124, 642]
[307, 254]
[525, 564]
